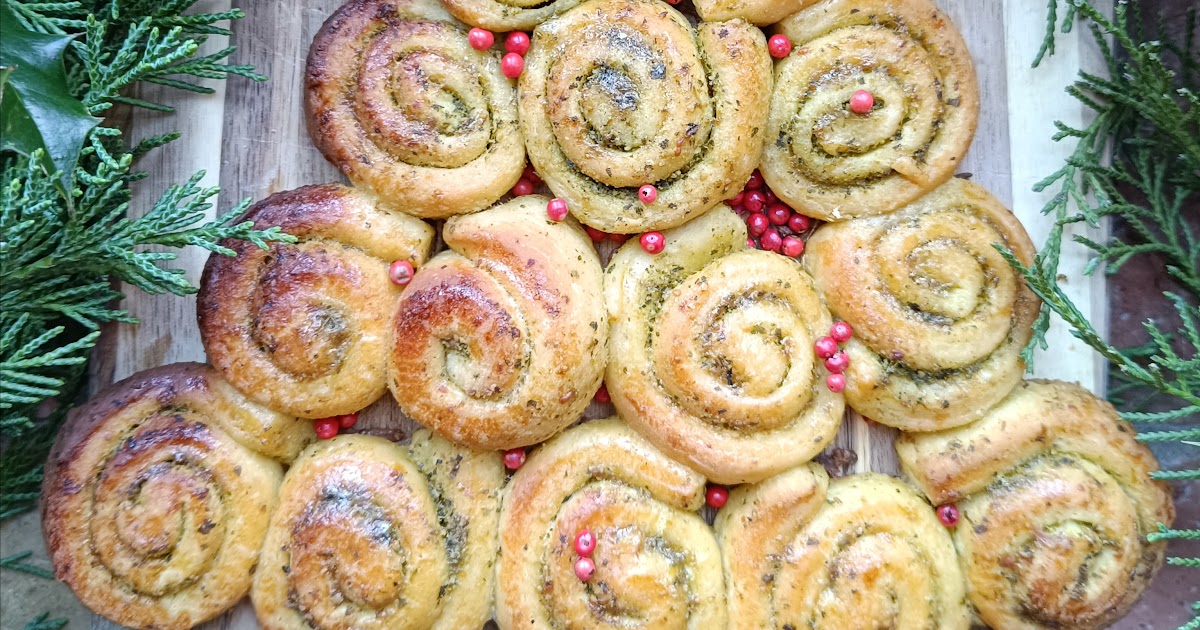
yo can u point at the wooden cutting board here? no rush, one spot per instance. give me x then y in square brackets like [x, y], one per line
[250, 139]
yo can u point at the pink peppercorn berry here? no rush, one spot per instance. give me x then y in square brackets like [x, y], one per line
[585, 543]
[326, 428]
[716, 497]
[771, 241]
[825, 347]
[584, 568]
[648, 194]
[348, 420]
[948, 514]
[757, 223]
[514, 459]
[653, 242]
[799, 223]
[841, 332]
[512, 65]
[522, 188]
[480, 39]
[517, 42]
[792, 247]
[556, 209]
[836, 383]
[779, 46]
[779, 214]
[861, 102]
[838, 363]
[400, 273]
[602, 396]
[755, 201]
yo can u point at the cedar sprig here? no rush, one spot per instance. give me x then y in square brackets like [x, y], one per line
[1147, 112]
[61, 249]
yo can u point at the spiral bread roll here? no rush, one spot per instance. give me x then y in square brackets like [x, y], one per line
[862, 551]
[369, 535]
[501, 341]
[617, 94]
[657, 562]
[398, 100]
[711, 352]
[303, 327]
[157, 495]
[829, 163]
[759, 12]
[939, 316]
[1056, 502]
[507, 15]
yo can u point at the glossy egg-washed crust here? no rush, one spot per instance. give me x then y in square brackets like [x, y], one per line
[939, 317]
[1056, 502]
[158, 492]
[370, 534]
[830, 163]
[501, 341]
[863, 551]
[398, 100]
[303, 327]
[657, 562]
[711, 352]
[507, 15]
[758, 12]
[621, 93]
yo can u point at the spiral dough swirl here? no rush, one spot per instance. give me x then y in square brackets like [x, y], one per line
[303, 327]
[621, 93]
[158, 492]
[507, 15]
[400, 102]
[1056, 502]
[371, 535]
[861, 552]
[711, 353]
[939, 316]
[830, 163]
[500, 342]
[657, 562]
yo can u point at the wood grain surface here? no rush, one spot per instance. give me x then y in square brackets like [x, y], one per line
[250, 138]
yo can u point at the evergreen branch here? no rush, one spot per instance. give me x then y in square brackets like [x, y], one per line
[43, 622]
[16, 562]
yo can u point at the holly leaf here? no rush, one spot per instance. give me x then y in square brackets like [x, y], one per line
[37, 110]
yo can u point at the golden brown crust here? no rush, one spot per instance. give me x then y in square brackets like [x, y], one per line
[155, 500]
[1056, 502]
[758, 12]
[507, 15]
[303, 328]
[501, 342]
[371, 535]
[621, 93]
[829, 163]
[711, 352]
[398, 100]
[939, 317]
[657, 562]
[863, 551]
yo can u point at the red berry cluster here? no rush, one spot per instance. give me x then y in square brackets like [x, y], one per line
[836, 361]
[772, 224]
[516, 43]
[585, 545]
[598, 236]
[529, 180]
[327, 428]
